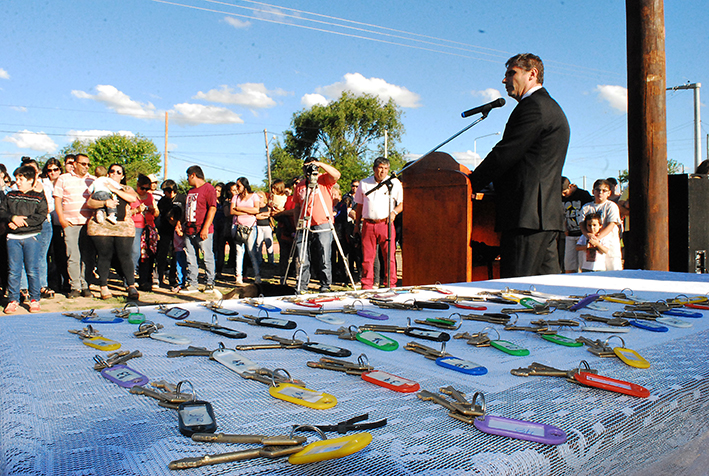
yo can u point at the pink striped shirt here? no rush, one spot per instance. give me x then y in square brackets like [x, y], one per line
[74, 193]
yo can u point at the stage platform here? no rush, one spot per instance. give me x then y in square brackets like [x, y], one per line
[60, 417]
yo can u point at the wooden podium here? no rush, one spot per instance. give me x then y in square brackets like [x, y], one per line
[448, 235]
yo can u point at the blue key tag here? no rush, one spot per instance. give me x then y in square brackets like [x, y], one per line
[460, 365]
[520, 429]
[561, 340]
[673, 322]
[124, 376]
[96, 319]
[683, 313]
[233, 361]
[648, 325]
[377, 340]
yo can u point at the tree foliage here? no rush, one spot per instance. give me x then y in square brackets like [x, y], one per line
[673, 167]
[347, 133]
[137, 154]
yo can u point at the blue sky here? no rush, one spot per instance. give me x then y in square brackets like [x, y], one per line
[226, 70]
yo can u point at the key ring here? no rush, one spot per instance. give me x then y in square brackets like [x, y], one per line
[482, 406]
[260, 310]
[309, 427]
[363, 360]
[301, 330]
[605, 343]
[275, 372]
[460, 323]
[492, 328]
[179, 387]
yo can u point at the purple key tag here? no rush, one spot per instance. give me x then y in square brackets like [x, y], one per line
[372, 315]
[124, 376]
[520, 429]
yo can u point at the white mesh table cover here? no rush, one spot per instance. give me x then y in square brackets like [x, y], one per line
[60, 417]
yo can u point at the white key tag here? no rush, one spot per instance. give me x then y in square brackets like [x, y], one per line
[673, 322]
[170, 338]
[233, 361]
[628, 356]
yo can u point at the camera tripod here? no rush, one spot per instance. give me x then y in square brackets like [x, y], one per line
[303, 231]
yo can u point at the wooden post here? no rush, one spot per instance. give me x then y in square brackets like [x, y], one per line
[647, 136]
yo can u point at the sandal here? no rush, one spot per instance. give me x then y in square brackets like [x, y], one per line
[46, 293]
[105, 293]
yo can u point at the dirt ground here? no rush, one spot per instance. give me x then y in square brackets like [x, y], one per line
[165, 296]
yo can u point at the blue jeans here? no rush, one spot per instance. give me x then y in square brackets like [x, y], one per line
[322, 236]
[181, 272]
[45, 239]
[25, 254]
[193, 244]
[136, 248]
[250, 245]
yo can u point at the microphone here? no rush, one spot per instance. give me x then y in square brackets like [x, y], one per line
[485, 108]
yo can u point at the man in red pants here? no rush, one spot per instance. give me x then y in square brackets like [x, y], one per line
[374, 218]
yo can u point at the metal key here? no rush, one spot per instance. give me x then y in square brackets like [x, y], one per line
[597, 347]
[191, 351]
[611, 321]
[115, 359]
[249, 439]
[490, 317]
[479, 339]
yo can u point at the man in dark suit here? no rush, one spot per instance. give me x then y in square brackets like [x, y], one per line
[525, 169]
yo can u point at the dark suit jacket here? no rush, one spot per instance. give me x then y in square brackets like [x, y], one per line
[525, 166]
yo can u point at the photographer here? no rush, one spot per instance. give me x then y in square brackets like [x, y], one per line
[313, 207]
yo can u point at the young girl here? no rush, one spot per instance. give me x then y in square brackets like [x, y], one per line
[595, 252]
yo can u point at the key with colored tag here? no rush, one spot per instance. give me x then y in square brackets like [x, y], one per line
[629, 356]
[327, 449]
[648, 325]
[460, 365]
[673, 321]
[90, 337]
[176, 313]
[265, 321]
[371, 338]
[303, 396]
[390, 381]
[521, 429]
[611, 384]
[561, 340]
[124, 376]
[233, 361]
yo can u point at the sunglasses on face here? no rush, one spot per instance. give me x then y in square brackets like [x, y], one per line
[54, 169]
[143, 188]
[116, 171]
[85, 164]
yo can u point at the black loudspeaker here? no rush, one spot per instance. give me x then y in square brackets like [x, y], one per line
[688, 202]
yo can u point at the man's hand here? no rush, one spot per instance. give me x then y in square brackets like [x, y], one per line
[204, 233]
[19, 221]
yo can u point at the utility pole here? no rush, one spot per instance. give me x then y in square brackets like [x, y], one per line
[386, 143]
[268, 159]
[647, 136]
[697, 122]
[164, 168]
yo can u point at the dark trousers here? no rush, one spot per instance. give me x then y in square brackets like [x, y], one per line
[122, 246]
[525, 252]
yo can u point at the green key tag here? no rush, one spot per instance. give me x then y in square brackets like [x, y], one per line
[377, 340]
[442, 321]
[101, 343]
[303, 396]
[561, 340]
[632, 358]
[508, 347]
[530, 303]
[136, 318]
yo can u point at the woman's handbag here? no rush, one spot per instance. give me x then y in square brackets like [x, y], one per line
[241, 233]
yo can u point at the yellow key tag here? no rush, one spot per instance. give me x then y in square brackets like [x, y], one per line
[101, 343]
[629, 356]
[303, 396]
[331, 449]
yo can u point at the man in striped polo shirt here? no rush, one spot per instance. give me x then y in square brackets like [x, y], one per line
[71, 192]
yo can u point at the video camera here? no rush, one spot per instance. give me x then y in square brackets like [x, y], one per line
[311, 172]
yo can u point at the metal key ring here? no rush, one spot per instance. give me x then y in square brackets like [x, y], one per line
[585, 364]
[300, 330]
[131, 304]
[260, 310]
[179, 387]
[483, 406]
[310, 427]
[492, 328]
[274, 373]
[605, 343]
[460, 323]
[215, 320]
[363, 360]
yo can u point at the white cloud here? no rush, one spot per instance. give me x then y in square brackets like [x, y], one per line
[489, 94]
[19, 108]
[310, 100]
[358, 84]
[120, 102]
[38, 141]
[4, 74]
[192, 114]
[275, 14]
[616, 96]
[73, 135]
[468, 158]
[252, 95]
[236, 23]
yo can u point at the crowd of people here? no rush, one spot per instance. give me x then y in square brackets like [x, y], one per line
[62, 229]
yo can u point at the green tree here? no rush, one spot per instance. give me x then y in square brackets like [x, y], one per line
[347, 133]
[137, 154]
[673, 167]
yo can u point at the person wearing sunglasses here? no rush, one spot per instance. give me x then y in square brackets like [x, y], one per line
[71, 193]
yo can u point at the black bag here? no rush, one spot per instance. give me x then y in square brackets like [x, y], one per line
[241, 233]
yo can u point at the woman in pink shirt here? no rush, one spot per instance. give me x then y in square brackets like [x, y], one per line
[244, 208]
[145, 244]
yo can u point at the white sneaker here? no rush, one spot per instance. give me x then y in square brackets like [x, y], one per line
[239, 280]
[100, 216]
[112, 219]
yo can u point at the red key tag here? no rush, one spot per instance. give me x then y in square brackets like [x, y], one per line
[390, 381]
[611, 384]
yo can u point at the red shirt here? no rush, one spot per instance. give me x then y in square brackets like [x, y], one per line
[315, 205]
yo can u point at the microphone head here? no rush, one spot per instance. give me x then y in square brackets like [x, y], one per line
[501, 101]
